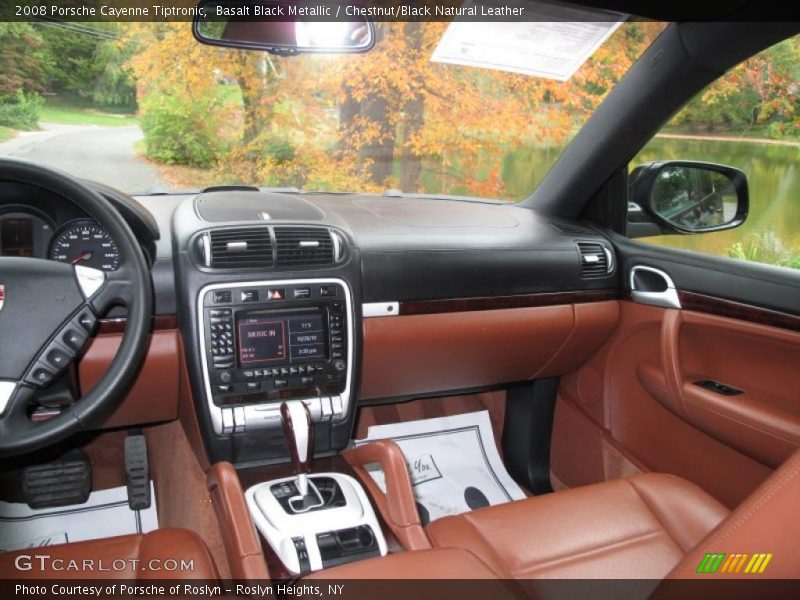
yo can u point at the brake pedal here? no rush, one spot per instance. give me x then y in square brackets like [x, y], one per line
[67, 480]
[137, 472]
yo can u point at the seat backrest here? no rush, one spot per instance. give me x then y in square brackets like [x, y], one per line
[763, 531]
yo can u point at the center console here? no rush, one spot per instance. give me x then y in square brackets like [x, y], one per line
[263, 343]
[318, 521]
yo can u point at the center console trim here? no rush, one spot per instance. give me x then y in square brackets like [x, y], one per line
[229, 420]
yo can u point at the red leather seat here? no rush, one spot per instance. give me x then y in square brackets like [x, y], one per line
[160, 554]
[635, 528]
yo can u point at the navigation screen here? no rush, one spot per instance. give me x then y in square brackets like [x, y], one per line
[269, 338]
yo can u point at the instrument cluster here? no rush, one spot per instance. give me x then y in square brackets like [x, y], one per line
[28, 232]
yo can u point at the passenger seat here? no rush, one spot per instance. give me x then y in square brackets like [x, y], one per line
[649, 526]
[635, 528]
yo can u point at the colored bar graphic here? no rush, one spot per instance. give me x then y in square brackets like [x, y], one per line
[714, 562]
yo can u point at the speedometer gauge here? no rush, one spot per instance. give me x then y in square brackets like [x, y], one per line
[85, 243]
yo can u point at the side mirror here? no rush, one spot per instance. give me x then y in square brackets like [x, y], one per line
[689, 197]
[284, 27]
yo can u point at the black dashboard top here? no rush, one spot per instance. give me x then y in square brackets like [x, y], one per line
[408, 248]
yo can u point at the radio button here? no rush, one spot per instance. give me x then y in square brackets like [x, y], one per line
[225, 377]
[248, 374]
[336, 405]
[223, 389]
[249, 295]
[327, 291]
[301, 370]
[284, 371]
[292, 370]
[253, 385]
[258, 373]
[306, 380]
[302, 292]
[337, 354]
[339, 365]
[281, 383]
[222, 297]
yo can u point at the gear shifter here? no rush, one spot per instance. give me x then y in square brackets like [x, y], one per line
[314, 521]
[296, 421]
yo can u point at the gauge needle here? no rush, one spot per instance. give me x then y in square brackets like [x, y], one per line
[80, 257]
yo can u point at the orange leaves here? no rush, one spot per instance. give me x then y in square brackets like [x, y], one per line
[377, 120]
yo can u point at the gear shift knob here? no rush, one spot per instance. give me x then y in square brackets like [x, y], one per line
[296, 421]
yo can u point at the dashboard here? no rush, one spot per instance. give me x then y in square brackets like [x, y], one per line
[318, 296]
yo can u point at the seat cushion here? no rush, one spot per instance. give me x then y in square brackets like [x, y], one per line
[633, 528]
[160, 554]
[418, 564]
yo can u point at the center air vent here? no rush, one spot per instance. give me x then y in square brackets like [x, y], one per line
[301, 246]
[242, 248]
[596, 260]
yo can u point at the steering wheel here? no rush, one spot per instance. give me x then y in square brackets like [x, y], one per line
[48, 313]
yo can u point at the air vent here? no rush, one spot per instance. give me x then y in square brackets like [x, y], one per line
[596, 260]
[302, 246]
[243, 248]
[571, 229]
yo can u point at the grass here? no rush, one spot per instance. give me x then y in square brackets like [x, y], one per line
[74, 115]
[6, 133]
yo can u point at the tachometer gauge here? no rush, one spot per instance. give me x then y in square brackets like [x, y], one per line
[85, 243]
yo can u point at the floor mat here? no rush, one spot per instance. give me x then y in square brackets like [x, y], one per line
[104, 514]
[453, 463]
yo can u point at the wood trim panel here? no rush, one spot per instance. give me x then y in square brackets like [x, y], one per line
[117, 325]
[737, 310]
[450, 305]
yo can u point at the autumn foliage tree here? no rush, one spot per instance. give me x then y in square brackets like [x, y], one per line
[390, 118]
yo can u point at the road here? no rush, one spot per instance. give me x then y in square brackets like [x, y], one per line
[102, 154]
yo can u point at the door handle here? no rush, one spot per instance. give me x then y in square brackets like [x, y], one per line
[654, 287]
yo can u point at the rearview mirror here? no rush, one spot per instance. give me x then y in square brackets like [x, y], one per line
[690, 197]
[283, 27]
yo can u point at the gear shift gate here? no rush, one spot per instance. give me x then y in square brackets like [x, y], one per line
[313, 521]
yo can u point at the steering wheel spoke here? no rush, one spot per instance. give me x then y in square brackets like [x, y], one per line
[117, 289]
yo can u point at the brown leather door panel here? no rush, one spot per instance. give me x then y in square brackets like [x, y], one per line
[760, 362]
[625, 393]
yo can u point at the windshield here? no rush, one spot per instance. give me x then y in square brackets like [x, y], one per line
[143, 107]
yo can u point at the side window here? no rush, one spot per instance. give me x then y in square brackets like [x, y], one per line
[748, 119]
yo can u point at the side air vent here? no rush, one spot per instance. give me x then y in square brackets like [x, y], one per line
[597, 261]
[242, 248]
[303, 246]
